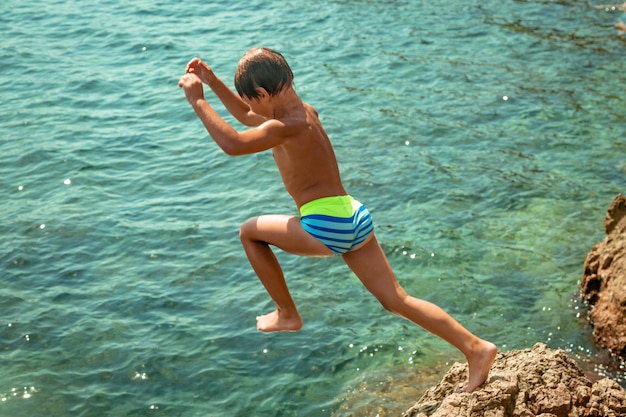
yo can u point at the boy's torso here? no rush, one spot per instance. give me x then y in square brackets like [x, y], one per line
[307, 162]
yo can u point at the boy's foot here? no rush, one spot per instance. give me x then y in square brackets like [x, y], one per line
[277, 322]
[480, 364]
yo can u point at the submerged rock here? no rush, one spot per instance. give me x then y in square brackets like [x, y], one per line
[603, 285]
[533, 382]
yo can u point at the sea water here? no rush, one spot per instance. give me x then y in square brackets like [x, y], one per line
[487, 139]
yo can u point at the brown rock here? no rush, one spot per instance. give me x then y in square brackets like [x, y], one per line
[528, 383]
[617, 211]
[603, 286]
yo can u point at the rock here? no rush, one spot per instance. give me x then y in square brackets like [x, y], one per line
[603, 286]
[617, 211]
[524, 383]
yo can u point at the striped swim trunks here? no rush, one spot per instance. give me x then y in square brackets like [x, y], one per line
[341, 223]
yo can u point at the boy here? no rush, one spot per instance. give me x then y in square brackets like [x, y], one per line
[331, 222]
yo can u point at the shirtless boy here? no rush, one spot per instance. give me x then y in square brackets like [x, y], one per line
[331, 222]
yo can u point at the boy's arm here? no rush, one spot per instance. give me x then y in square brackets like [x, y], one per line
[231, 100]
[265, 136]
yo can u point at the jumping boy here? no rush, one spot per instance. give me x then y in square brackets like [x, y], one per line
[331, 222]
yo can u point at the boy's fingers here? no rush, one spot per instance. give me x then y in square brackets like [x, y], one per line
[189, 78]
[184, 80]
[191, 64]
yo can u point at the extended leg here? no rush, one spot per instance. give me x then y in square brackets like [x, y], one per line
[370, 264]
[284, 232]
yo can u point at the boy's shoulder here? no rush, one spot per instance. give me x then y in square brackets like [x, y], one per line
[311, 109]
[301, 116]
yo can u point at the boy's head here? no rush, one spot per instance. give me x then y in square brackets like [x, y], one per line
[265, 68]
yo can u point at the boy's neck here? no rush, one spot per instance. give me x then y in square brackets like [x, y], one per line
[285, 104]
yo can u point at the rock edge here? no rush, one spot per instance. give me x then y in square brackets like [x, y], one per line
[603, 286]
[534, 382]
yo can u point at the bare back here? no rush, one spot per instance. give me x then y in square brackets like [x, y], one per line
[306, 161]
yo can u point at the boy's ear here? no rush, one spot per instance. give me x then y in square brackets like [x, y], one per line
[262, 93]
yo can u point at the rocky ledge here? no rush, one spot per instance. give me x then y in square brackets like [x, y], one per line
[523, 383]
[603, 286]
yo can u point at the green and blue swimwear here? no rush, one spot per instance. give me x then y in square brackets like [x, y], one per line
[341, 223]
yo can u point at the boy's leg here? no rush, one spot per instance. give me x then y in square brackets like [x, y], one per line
[286, 233]
[370, 264]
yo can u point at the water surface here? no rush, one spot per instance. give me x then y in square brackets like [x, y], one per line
[487, 139]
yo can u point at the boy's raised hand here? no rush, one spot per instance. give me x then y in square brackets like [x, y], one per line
[201, 69]
[192, 85]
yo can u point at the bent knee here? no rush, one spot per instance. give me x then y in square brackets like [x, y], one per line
[393, 303]
[248, 229]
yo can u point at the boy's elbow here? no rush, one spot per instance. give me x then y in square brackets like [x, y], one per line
[252, 119]
[228, 142]
[247, 121]
[229, 150]
[232, 149]
[232, 152]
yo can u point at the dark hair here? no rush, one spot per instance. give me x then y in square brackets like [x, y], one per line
[262, 67]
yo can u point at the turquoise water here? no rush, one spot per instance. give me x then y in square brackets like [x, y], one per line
[486, 137]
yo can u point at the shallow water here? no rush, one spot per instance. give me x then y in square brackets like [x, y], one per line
[487, 139]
